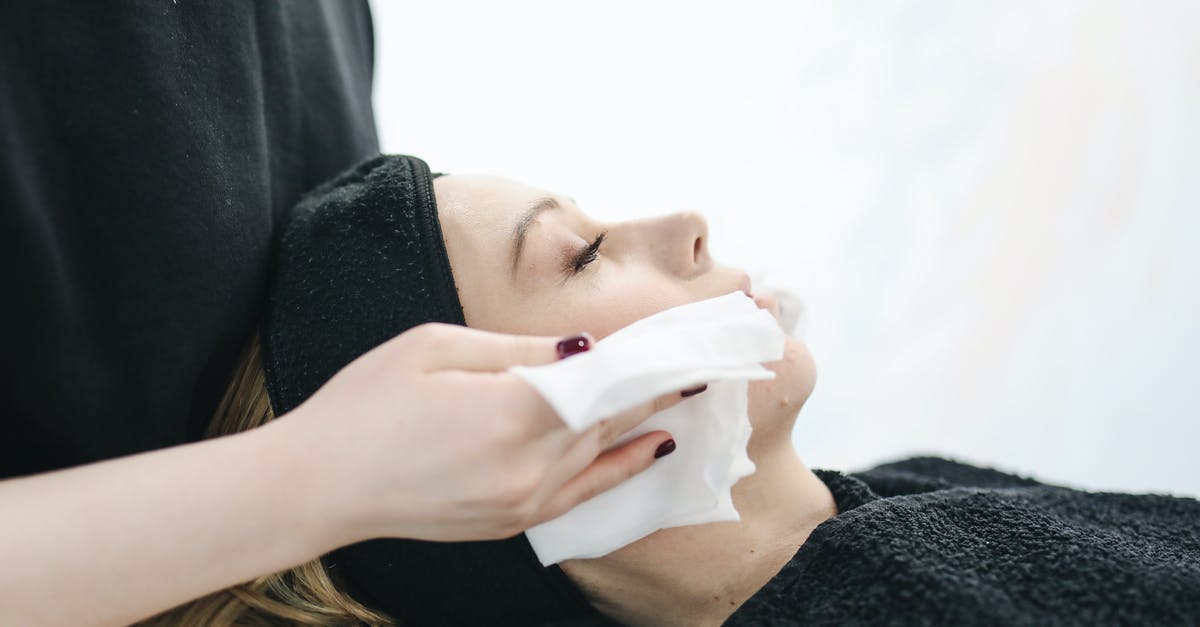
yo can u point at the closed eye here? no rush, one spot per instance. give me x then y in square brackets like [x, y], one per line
[587, 255]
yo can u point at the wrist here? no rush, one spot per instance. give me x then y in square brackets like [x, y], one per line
[300, 474]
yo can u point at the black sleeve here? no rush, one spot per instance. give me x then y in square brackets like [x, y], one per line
[149, 148]
[928, 473]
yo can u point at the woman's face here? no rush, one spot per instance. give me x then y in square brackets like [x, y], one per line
[529, 262]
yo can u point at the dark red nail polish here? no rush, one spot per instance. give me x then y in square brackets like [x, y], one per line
[694, 391]
[573, 345]
[664, 449]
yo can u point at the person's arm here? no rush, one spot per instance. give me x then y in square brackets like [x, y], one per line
[116, 541]
[424, 437]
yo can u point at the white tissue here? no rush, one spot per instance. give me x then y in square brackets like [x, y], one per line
[722, 342]
[793, 311]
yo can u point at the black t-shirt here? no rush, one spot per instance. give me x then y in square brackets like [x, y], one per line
[149, 150]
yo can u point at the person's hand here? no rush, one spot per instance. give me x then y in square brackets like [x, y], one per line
[429, 437]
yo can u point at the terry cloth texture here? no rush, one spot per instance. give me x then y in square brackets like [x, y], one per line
[929, 541]
[362, 260]
[147, 152]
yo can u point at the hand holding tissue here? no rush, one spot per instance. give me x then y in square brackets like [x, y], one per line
[720, 341]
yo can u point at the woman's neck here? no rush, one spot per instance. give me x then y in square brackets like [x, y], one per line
[698, 575]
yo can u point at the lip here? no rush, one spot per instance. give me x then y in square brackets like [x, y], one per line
[763, 300]
[744, 284]
[766, 300]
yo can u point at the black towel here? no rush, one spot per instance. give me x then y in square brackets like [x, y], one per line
[929, 541]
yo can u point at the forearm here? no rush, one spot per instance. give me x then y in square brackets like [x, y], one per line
[117, 541]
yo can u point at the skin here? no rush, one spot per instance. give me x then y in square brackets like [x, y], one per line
[696, 575]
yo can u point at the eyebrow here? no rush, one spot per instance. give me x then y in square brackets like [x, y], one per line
[522, 228]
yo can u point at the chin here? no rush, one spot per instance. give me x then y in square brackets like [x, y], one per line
[774, 404]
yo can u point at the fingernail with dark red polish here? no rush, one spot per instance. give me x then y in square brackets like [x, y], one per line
[664, 449]
[693, 391]
[573, 345]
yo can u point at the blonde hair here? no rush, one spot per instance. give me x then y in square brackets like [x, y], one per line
[302, 595]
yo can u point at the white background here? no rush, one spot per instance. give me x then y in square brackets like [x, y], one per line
[991, 210]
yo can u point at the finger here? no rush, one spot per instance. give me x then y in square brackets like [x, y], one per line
[450, 347]
[612, 428]
[608, 471]
[580, 451]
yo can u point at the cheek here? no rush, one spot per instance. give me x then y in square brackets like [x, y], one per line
[622, 295]
[600, 303]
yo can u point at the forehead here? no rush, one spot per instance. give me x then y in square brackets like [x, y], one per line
[477, 202]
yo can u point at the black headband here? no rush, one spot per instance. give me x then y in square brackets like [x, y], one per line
[360, 260]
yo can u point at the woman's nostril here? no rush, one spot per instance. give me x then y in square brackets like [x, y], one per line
[696, 248]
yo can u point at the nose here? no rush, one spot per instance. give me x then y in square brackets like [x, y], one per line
[687, 237]
[676, 243]
[697, 226]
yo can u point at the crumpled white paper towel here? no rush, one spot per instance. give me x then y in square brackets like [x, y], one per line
[720, 341]
[793, 311]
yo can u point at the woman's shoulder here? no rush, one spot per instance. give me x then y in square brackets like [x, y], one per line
[914, 475]
[926, 473]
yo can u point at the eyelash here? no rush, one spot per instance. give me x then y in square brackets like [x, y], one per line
[587, 255]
